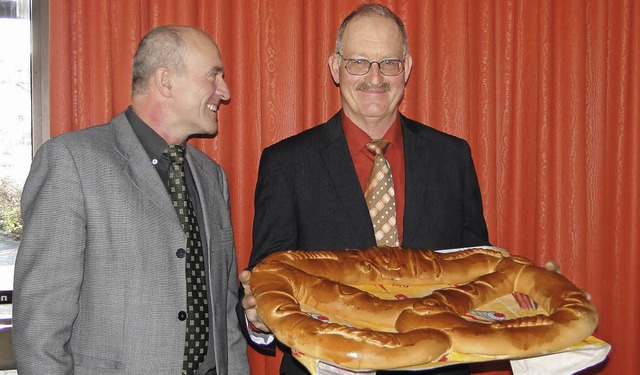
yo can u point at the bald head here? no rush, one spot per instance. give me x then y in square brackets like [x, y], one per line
[178, 82]
[164, 46]
[372, 10]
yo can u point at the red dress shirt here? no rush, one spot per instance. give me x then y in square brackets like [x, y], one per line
[357, 140]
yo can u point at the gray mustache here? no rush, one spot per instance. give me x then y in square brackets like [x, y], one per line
[364, 86]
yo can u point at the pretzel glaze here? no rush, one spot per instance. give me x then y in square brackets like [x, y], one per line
[385, 334]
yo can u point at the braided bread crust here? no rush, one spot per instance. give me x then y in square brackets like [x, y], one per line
[291, 286]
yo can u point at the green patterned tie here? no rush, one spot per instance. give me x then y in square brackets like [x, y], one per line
[198, 312]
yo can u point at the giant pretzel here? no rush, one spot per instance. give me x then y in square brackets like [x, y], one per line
[384, 334]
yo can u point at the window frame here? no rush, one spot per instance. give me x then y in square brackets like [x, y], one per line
[40, 114]
[40, 88]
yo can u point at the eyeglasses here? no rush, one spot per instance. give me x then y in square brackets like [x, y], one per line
[360, 67]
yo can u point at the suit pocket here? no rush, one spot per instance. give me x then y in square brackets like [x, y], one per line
[221, 247]
[221, 243]
[222, 236]
[91, 365]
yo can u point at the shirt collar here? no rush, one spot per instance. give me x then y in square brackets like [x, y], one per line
[152, 142]
[357, 139]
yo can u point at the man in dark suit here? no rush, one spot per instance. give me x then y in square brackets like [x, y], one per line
[106, 277]
[310, 190]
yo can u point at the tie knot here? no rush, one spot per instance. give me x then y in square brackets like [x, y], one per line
[175, 153]
[378, 146]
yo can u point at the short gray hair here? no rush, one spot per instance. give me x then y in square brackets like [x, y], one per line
[372, 10]
[161, 47]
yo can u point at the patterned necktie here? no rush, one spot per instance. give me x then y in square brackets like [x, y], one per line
[380, 196]
[197, 333]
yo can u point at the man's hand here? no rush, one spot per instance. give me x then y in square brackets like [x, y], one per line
[552, 265]
[249, 304]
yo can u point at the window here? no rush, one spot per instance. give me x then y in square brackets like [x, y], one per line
[24, 125]
[15, 134]
[23, 122]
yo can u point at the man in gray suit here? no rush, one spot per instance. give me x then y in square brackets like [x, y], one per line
[101, 274]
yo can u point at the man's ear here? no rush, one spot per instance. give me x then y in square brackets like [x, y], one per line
[334, 67]
[408, 63]
[162, 81]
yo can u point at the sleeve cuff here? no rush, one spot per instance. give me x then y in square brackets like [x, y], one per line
[258, 337]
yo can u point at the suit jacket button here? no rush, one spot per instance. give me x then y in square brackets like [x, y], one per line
[182, 315]
[181, 253]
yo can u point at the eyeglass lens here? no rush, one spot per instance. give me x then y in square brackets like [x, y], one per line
[362, 66]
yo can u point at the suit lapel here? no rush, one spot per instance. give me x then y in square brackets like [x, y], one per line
[338, 162]
[139, 169]
[203, 186]
[417, 159]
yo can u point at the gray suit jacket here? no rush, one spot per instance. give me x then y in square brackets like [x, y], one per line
[98, 285]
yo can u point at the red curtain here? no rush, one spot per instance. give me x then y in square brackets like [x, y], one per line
[546, 92]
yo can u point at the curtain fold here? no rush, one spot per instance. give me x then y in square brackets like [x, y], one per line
[546, 93]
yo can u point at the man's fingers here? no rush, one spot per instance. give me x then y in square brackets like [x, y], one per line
[551, 265]
[250, 311]
[244, 277]
[249, 302]
[257, 324]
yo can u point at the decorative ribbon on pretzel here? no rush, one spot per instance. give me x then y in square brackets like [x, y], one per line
[291, 286]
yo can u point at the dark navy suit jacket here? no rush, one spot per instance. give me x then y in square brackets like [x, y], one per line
[308, 196]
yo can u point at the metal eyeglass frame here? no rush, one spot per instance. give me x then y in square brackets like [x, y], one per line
[347, 61]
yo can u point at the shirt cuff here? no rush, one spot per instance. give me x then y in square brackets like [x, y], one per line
[259, 338]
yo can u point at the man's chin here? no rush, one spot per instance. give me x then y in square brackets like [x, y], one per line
[213, 132]
[208, 131]
[375, 112]
[211, 126]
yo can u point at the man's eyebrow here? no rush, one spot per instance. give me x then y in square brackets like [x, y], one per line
[216, 70]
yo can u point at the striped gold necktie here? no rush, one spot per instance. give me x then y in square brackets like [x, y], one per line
[380, 196]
